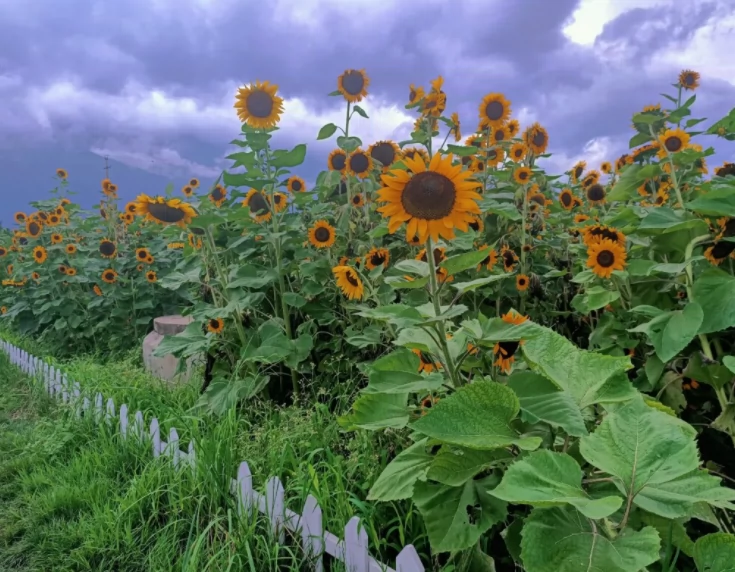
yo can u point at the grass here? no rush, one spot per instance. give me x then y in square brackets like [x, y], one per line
[77, 497]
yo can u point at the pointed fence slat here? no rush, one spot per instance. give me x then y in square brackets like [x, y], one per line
[354, 550]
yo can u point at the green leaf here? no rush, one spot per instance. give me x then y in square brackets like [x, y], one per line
[715, 291]
[640, 267]
[397, 314]
[638, 139]
[360, 111]
[369, 336]
[668, 528]
[175, 280]
[711, 372]
[593, 299]
[560, 539]
[541, 400]
[653, 457]
[294, 299]
[400, 282]
[454, 466]
[348, 144]
[671, 332]
[717, 202]
[505, 210]
[463, 287]
[546, 479]
[633, 177]
[326, 131]
[663, 220]
[189, 342]
[729, 362]
[456, 264]
[292, 158]
[715, 552]
[417, 267]
[397, 480]
[646, 118]
[456, 517]
[654, 368]
[476, 416]
[587, 376]
[374, 411]
[398, 372]
[462, 151]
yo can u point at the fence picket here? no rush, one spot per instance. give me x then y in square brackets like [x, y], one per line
[124, 420]
[244, 488]
[98, 407]
[408, 560]
[155, 437]
[275, 506]
[192, 457]
[173, 447]
[110, 412]
[356, 556]
[138, 425]
[311, 533]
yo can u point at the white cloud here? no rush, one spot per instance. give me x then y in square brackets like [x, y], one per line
[594, 153]
[157, 160]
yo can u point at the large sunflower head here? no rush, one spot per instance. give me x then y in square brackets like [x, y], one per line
[578, 171]
[280, 202]
[109, 276]
[673, 141]
[348, 281]
[384, 152]
[566, 199]
[494, 110]
[215, 325]
[20, 217]
[131, 208]
[522, 282]
[359, 163]
[107, 248]
[415, 94]
[71, 248]
[377, 257]
[218, 196]
[719, 251]
[258, 105]
[727, 169]
[522, 175]
[337, 161]
[61, 173]
[606, 256]
[142, 254]
[259, 207]
[689, 79]
[433, 200]
[322, 234]
[606, 167]
[517, 152]
[537, 138]
[590, 179]
[39, 254]
[295, 184]
[595, 194]
[353, 85]
[164, 211]
[56, 238]
[33, 228]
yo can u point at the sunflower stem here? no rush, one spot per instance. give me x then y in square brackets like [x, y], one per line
[349, 186]
[523, 242]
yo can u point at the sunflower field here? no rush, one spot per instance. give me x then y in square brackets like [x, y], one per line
[552, 356]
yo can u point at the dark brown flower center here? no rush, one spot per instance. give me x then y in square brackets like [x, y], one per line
[214, 324]
[107, 248]
[605, 258]
[188, 190]
[507, 349]
[39, 254]
[193, 182]
[34, 228]
[322, 234]
[359, 163]
[165, 213]
[258, 204]
[260, 104]
[521, 282]
[296, 185]
[429, 196]
[218, 194]
[673, 143]
[377, 259]
[523, 175]
[539, 138]
[353, 82]
[338, 161]
[499, 135]
[539, 199]
[356, 199]
[142, 255]
[466, 161]
[578, 171]
[383, 152]
[508, 258]
[277, 199]
[611, 234]
[722, 249]
[492, 154]
[725, 170]
[596, 192]
[494, 110]
[689, 79]
[351, 278]
[566, 199]
[475, 225]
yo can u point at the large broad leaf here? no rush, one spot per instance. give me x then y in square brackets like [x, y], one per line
[399, 315]
[456, 517]
[397, 480]
[562, 540]
[653, 457]
[476, 416]
[717, 202]
[541, 400]
[375, 411]
[546, 479]
[715, 292]
[463, 287]
[670, 529]
[715, 553]
[175, 280]
[456, 264]
[632, 178]
[593, 299]
[454, 466]
[673, 331]
[588, 377]
[398, 372]
[664, 220]
[187, 343]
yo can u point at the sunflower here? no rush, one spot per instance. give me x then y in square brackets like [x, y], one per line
[175, 245]
[56, 238]
[107, 248]
[358, 200]
[517, 152]
[36, 276]
[513, 127]
[439, 256]
[130, 208]
[109, 276]
[606, 167]
[280, 202]
[142, 254]
[359, 163]
[164, 211]
[580, 218]
[337, 161]
[725, 170]
[71, 271]
[522, 175]
[415, 241]
[672, 141]
[105, 183]
[427, 402]
[590, 179]
[500, 133]
[522, 282]
[61, 173]
[322, 234]
[54, 219]
[719, 252]
[193, 182]
[149, 260]
[20, 217]
[595, 194]
[578, 171]
[127, 218]
[536, 138]
[606, 256]
[353, 85]
[258, 105]
[426, 364]
[151, 276]
[662, 197]
[509, 259]
[215, 325]
[432, 200]
[434, 104]
[295, 184]
[377, 257]
[40, 255]
[494, 110]
[33, 228]
[3, 310]
[477, 224]
[139, 268]
[42, 216]
[505, 351]
[349, 282]
[689, 79]
[384, 152]
[566, 199]
[258, 204]
[456, 129]
[195, 241]
[490, 260]
[3, 252]
[415, 94]
[415, 152]
[113, 188]
[595, 233]
[495, 156]
[97, 290]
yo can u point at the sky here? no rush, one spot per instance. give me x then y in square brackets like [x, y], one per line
[151, 83]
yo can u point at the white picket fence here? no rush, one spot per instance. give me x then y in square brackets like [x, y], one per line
[315, 541]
